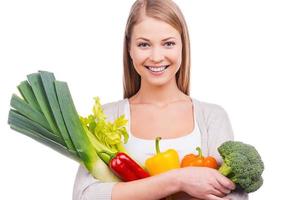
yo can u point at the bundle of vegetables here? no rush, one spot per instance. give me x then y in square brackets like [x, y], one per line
[242, 164]
[48, 115]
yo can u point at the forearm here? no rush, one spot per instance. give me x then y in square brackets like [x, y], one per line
[152, 188]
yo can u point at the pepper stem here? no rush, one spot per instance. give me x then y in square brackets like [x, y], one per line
[106, 156]
[157, 139]
[199, 152]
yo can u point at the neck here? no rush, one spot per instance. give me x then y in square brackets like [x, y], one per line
[159, 95]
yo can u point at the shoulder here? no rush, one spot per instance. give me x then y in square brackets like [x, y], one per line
[114, 109]
[215, 127]
[209, 110]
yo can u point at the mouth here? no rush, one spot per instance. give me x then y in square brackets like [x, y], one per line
[157, 69]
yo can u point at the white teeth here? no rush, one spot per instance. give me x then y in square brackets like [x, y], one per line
[157, 69]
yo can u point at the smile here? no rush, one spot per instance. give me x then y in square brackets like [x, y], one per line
[157, 69]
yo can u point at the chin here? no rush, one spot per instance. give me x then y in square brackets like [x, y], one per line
[158, 82]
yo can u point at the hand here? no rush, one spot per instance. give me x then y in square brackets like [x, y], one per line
[204, 183]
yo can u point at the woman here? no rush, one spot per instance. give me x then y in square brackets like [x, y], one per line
[157, 103]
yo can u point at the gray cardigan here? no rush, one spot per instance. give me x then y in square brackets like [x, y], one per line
[215, 129]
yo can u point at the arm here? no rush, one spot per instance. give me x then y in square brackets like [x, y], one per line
[200, 182]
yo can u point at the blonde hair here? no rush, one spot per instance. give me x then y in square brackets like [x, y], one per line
[167, 11]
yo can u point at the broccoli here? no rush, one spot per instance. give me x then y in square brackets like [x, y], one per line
[242, 164]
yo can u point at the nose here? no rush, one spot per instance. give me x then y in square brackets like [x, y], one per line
[156, 55]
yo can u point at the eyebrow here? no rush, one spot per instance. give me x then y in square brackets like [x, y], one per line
[149, 40]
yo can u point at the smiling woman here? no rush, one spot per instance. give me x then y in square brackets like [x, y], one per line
[163, 26]
[157, 104]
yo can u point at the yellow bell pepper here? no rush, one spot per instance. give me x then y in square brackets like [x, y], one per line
[162, 161]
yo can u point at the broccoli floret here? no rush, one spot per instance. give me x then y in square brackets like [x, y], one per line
[255, 185]
[242, 164]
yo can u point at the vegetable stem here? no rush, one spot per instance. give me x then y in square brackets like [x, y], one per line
[199, 152]
[157, 139]
[225, 169]
[106, 157]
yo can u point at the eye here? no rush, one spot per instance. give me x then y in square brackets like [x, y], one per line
[169, 44]
[143, 45]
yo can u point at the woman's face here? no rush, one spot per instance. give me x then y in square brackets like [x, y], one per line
[155, 49]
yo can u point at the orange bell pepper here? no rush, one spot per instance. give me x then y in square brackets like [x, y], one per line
[199, 160]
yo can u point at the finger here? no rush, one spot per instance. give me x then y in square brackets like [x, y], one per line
[221, 188]
[216, 192]
[226, 182]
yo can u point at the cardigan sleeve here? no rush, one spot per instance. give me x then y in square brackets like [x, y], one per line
[86, 187]
[219, 130]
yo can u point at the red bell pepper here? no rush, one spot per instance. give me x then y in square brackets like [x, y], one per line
[125, 167]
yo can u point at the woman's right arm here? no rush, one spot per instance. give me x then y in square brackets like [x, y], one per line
[198, 182]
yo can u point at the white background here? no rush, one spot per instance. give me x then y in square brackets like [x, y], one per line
[245, 57]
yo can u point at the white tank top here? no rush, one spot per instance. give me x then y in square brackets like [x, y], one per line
[141, 149]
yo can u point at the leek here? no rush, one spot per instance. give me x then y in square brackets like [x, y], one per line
[48, 115]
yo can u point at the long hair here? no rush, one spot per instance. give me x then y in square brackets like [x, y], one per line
[166, 11]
